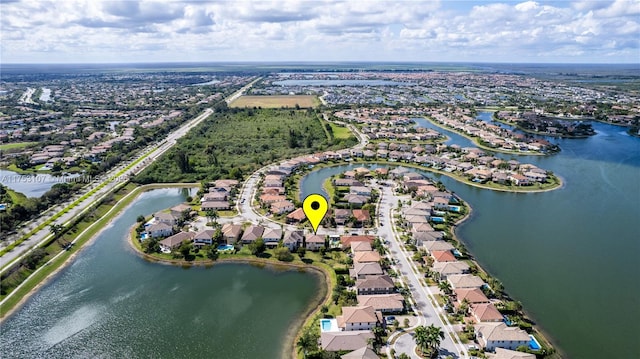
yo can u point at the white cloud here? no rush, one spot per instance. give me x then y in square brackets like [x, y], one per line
[154, 30]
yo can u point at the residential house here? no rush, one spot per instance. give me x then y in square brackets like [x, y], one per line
[341, 215]
[272, 236]
[361, 246]
[251, 234]
[345, 341]
[345, 241]
[356, 199]
[181, 211]
[444, 269]
[215, 205]
[296, 216]
[170, 243]
[385, 303]
[362, 353]
[159, 229]
[443, 256]
[471, 295]
[281, 207]
[231, 232]
[376, 284]
[362, 217]
[314, 242]
[497, 335]
[293, 239]
[366, 257]
[421, 237]
[163, 217]
[461, 281]
[362, 270]
[204, 238]
[509, 354]
[361, 191]
[359, 318]
[437, 246]
[485, 312]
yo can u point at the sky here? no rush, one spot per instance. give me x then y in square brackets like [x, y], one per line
[115, 31]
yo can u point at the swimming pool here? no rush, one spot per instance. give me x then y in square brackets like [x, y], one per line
[533, 343]
[454, 208]
[225, 247]
[329, 325]
[437, 219]
[143, 236]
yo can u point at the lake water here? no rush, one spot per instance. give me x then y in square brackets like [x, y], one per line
[31, 185]
[109, 303]
[569, 255]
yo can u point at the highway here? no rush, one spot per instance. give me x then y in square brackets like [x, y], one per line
[109, 182]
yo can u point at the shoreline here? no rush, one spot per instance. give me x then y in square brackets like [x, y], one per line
[479, 145]
[537, 328]
[299, 322]
[65, 262]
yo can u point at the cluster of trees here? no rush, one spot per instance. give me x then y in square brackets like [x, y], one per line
[231, 143]
[30, 208]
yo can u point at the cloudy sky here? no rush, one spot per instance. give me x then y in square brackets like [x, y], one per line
[314, 30]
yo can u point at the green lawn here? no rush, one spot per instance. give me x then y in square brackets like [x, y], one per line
[16, 145]
[341, 132]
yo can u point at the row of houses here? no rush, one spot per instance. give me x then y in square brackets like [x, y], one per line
[376, 296]
[220, 195]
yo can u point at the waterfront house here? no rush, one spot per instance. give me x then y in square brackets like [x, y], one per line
[421, 237]
[214, 196]
[231, 232]
[431, 246]
[497, 335]
[509, 354]
[173, 242]
[443, 256]
[376, 284]
[362, 270]
[460, 281]
[251, 234]
[204, 237]
[359, 318]
[272, 236]
[314, 242]
[472, 295]
[182, 210]
[293, 239]
[168, 218]
[385, 303]
[366, 257]
[356, 199]
[345, 341]
[159, 229]
[362, 353]
[444, 269]
[485, 312]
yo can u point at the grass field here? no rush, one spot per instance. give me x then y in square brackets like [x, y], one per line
[16, 145]
[340, 132]
[303, 101]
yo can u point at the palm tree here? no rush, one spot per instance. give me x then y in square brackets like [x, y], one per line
[421, 339]
[212, 215]
[56, 229]
[445, 287]
[434, 335]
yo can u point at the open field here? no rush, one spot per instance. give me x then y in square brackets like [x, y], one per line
[340, 132]
[16, 145]
[303, 101]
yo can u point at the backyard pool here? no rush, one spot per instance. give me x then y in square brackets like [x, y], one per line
[143, 236]
[454, 208]
[533, 343]
[225, 247]
[437, 219]
[329, 325]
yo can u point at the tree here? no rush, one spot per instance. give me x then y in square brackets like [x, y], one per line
[151, 245]
[185, 249]
[56, 229]
[283, 254]
[212, 215]
[445, 287]
[404, 356]
[378, 334]
[421, 339]
[435, 335]
[140, 219]
[257, 247]
[301, 252]
[31, 261]
[212, 253]
[308, 341]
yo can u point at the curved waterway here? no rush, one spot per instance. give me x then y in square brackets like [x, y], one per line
[569, 255]
[110, 303]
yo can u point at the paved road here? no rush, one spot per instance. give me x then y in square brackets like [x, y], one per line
[421, 295]
[110, 181]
